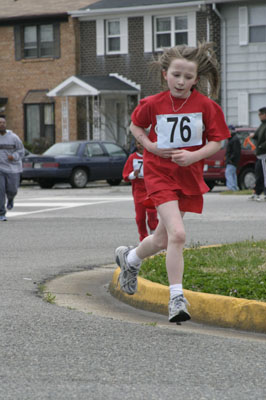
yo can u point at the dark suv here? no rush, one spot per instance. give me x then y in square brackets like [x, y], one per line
[214, 166]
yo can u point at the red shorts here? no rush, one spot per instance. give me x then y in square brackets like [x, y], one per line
[187, 203]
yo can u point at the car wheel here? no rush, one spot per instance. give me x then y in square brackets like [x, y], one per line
[114, 182]
[247, 179]
[211, 184]
[79, 178]
[45, 184]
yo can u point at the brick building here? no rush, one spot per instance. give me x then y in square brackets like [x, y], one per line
[79, 74]
[123, 37]
[39, 46]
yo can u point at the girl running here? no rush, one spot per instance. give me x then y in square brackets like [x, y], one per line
[133, 172]
[185, 128]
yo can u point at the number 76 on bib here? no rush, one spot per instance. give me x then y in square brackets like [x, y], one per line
[179, 130]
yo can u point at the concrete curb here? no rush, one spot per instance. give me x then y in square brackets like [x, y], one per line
[229, 312]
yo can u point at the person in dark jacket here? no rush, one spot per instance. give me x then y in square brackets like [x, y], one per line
[260, 168]
[232, 157]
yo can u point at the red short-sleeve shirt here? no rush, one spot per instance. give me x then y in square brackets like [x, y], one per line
[161, 173]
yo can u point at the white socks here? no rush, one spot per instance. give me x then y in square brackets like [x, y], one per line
[176, 290]
[133, 259]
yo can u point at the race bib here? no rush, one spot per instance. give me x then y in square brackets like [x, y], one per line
[138, 165]
[179, 130]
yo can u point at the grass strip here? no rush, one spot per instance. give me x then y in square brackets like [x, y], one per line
[237, 192]
[237, 269]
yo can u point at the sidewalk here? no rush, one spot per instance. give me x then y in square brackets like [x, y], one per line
[224, 311]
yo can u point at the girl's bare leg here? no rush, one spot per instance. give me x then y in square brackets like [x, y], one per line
[153, 243]
[170, 234]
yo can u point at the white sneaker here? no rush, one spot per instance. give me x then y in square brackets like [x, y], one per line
[254, 197]
[177, 309]
[128, 274]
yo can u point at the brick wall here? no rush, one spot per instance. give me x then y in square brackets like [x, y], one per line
[18, 77]
[134, 65]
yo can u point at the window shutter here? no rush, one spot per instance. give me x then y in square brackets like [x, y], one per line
[124, 36]
[57, 40]
[243, 112]
[192, 29]
[243, 26]
[100, 37]
[147, 34]
[18, 42]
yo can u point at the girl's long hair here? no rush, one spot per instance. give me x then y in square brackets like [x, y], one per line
[204, 56]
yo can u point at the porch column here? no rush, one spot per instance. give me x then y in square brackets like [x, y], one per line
[65, 119]
[87, 118]
[96, 118]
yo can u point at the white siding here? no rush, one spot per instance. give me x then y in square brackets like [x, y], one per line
[245, 67]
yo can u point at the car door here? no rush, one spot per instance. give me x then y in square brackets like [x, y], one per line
[117, 158]
[97, 161]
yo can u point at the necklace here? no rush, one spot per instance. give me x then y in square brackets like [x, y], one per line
[173, 107]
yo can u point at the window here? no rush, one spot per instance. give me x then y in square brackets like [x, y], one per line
[256, 101]
[248, 106]
[114, 150]
[93, 150]
[170, 31]
[257, 24]
[65, 148]
[37, 41]
[252, 25]
[39, 121]
[113, 36]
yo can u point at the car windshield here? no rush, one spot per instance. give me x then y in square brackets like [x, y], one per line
[61, 149]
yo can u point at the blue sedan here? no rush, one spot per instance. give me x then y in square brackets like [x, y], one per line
[76, 162]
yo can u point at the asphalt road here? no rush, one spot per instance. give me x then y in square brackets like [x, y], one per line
[51, 352]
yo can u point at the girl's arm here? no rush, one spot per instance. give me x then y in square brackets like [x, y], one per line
[141, 136]
[185, 157]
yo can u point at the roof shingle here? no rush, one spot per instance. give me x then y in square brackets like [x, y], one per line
[27, 8]
[108, 4]
[106, 83]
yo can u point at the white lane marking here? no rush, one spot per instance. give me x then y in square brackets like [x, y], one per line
[52, 204]
[65, 198]
[62, 205]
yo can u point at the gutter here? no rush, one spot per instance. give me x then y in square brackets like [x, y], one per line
[131, 10]
[224, 82]
[27, 18]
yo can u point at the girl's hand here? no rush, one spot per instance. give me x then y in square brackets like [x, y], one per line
[183, 158]
[164, 153]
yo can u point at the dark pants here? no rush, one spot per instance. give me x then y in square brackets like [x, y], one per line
[259, 186]
[9, 184]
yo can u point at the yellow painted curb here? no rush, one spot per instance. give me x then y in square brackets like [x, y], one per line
[213, 309]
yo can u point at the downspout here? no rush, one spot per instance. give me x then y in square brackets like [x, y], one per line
[224, 46]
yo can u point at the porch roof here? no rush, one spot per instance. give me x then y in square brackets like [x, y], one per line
[36, 97]
[87, 85]
[117, 6]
